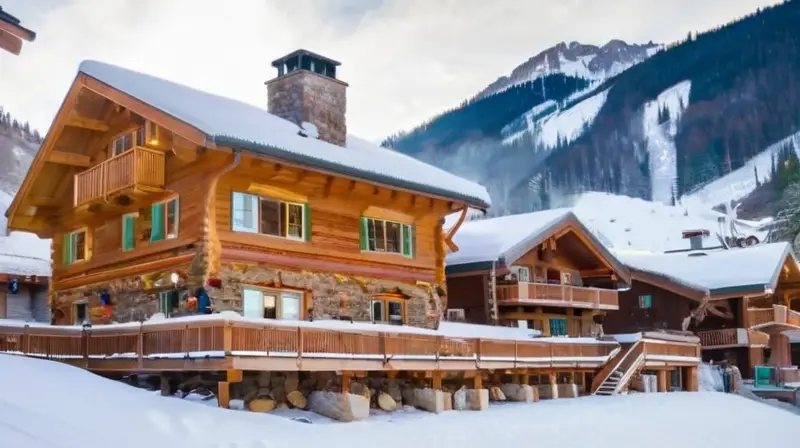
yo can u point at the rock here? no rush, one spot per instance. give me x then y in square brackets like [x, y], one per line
[343, 407]
[431, 400]
[393, 389]
[292, 382]
[301, 419]
[263, 379]
[460, 400]
[477, 399]
[408, 396]
[567, 390]
[386, 402]
[518, 392]
[448, 401]
[495, 394]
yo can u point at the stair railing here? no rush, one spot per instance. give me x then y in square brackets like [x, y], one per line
[614, 364]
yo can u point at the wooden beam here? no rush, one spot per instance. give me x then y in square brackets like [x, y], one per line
[68, 158]
[43, 201]
[588, 273]
[10, 43]
[76, 121]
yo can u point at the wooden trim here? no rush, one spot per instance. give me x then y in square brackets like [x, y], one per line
[10, 43]
[385, 298]
[667, 285]
[278, 300]
[68, 158]
[383, 214]
[274, 193]
[148, 112]
[126, 271]
[316, 264]
[17, 31]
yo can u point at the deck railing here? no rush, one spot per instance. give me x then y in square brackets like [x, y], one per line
[777, 314]
[533, 292]
[138, 167]
[218, 337]
[719, 338]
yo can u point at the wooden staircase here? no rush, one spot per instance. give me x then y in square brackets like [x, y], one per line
[617, 373]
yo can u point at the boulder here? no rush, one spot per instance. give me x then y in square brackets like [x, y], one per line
[518, 392]
[430, 400]
[477, 399]
[344, 407]
[460, 400]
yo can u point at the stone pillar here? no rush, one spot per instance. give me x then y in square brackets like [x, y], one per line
[662, 380]
[553, 385]
[780, 350]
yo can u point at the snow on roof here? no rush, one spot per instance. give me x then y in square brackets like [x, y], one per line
[623, 223]
[504, 237]
[236, 124]
[718, 270]
[22, 253]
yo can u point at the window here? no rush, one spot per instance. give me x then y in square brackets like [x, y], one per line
[125, 142]
[75, 246]
[386, 236]
[271, 304]
[523, 273]
[165, 219]
[167, 302]
[254, 214]
[80, 313]
[387, 311]
[558, 326]
[128, 231]
[645, 301]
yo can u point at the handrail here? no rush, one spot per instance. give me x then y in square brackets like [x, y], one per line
[246, 338]
[637, 348]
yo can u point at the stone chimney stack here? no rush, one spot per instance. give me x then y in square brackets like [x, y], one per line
[306, 91]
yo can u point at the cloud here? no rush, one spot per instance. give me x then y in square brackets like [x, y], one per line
[405, 60]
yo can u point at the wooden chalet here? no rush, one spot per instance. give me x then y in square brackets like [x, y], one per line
[540, 270]
[24, 280]
[741, 302]
[12, 33]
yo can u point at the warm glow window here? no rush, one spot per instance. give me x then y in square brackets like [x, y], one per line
[75, 246]
[128, 141]
[387, 311]
[254, 214]
[378, 235]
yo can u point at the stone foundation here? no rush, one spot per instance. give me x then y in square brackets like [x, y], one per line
[328, 295]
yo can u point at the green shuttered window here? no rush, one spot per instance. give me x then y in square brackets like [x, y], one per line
[377, 235]
[128, 230]
[74, 248]
[165, 219]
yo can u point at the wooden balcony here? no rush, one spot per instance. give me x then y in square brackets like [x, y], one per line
[776, 315]
[544, 294]
[732, 337]
[138, 171]
[216, 343]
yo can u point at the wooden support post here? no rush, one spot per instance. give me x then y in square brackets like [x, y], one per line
[166, 390]
[553, 384]
[477, 381]
[234, 376]
[224, 394]
[662, 380]
[436, 380]
[497, 378]
[515, 379]
[690, 379]
[346, 377]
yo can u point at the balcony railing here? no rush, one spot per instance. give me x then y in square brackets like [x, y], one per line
[545, 294]
[732, 337]
[777, 314]
[139, 169]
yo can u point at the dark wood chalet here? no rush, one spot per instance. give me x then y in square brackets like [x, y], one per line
[740, 302]
[12, 33]
[540, 270]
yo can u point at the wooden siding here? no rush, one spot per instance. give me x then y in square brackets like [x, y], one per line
[469, 293]
[667, 310]
[336, 205]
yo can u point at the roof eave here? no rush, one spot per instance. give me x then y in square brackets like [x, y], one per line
[474, 266]
[300, 159]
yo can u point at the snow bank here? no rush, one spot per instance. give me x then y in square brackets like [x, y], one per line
[709, 378]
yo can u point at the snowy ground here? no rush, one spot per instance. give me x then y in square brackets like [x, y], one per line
[45, 404]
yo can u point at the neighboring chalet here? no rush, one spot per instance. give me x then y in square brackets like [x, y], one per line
[24, 278]
[542, 270]
[163, 198]
[12, 33]
[740, 302]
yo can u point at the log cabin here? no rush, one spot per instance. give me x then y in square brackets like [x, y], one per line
[24, 277]
[543, 270]
[12, 33]
[163, 198]
[740, 302]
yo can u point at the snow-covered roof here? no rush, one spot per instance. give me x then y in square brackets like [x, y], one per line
[22, 253]
[508, 238]
[717, 272]
[233, 123]
[505, 237]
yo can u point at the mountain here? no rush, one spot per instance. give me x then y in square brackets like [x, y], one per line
[18, 145]
[576, 59]
[697, 111]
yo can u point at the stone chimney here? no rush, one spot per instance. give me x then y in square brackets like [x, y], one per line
[695, 237]
[306, 91]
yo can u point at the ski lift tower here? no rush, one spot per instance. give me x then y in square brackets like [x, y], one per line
[12, 33]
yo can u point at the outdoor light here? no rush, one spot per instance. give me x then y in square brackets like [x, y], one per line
[174, 278]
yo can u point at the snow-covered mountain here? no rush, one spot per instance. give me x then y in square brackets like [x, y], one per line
[576, 59]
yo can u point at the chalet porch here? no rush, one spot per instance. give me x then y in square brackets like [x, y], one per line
[136, 172]
[557, 295]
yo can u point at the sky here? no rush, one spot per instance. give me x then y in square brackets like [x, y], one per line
[405, 60]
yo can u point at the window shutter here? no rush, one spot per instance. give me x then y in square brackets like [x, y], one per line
[413, 250]
[157, 218]
[127, 232]
[364, 234]
[306, 222]
[407, 243]
[67, 249]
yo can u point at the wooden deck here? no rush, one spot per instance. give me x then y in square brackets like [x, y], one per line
[136, 170]
[732, 337]
[526, 293]
[217, 343]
